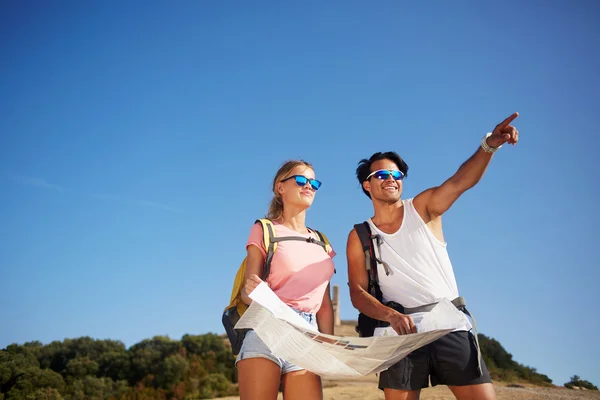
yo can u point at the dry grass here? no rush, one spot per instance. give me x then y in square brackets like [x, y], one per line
[366, 389]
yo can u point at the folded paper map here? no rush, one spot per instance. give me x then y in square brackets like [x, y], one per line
[292, 338]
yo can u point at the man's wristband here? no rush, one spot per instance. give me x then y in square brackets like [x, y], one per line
[487, 148]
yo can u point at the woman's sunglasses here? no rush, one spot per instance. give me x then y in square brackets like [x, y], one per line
[384, 174]
[301, 181]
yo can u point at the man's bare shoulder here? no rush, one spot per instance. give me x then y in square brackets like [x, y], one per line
[421, 201]
[353, 236]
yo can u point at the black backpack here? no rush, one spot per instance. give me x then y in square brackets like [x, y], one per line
[366, 325]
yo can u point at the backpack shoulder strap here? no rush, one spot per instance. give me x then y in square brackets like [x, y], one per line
[363, 230]
[322, 241]
[364, 234]
[323, 238]
[268, 232]
[269, 243]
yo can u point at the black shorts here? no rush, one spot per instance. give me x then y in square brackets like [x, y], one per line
[451, 360]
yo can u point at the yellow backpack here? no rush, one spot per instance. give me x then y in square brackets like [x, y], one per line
[236, 308]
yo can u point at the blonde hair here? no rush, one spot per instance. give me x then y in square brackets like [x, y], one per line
[276, 206]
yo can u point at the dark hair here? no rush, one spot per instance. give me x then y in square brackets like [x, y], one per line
[364, 166]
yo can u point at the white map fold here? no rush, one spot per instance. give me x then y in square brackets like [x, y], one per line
[292, 338]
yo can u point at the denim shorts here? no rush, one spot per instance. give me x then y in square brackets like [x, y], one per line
[254, 347]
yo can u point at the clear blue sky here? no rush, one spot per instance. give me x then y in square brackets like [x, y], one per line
[139, 139]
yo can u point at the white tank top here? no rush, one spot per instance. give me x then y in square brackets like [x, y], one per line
[421, 271]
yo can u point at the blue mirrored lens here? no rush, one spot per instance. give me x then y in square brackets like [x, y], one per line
[383, 175]
[397, 175]
[315, 184]
[301, 180]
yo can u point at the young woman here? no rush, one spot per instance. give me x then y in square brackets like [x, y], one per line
[300, 274]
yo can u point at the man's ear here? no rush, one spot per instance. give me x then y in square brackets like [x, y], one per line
[367, 186]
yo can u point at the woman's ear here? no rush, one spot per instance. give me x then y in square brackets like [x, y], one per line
[279, 188]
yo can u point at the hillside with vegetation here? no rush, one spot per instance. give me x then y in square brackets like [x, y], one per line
[195, 367]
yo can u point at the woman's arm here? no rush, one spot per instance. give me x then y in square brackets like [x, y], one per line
[254, 270]
[325, 314]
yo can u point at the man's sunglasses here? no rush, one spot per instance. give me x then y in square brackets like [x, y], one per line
[301, 181]
[384, 174]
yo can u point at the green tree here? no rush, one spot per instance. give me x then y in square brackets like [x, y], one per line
[96, 388]
[203, 344]
[29, 382]
[75, 390]
[54, 356]
[172, 371]
[115, 364]
[143, 362]
[577, 381]
[502, 366]
[495, 353]
[13, 364]
[45, 394]
[215, 385]
[81, 367]
[20, 375]
[141, 392]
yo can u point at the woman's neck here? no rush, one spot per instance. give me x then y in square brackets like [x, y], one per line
[294, 219]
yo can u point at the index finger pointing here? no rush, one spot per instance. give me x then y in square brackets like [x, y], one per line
[508, 120]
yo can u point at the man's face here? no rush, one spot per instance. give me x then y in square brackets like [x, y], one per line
[385, 190]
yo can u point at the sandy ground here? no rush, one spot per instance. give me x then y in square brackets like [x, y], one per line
[367, 390]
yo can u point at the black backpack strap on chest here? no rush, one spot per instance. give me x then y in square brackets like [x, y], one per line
[322, 241]
[366, 325]
[363, 231]
[301, 239]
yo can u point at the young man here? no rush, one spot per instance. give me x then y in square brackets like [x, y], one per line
[418, 271]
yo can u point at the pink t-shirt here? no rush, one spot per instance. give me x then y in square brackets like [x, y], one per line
[300, 271]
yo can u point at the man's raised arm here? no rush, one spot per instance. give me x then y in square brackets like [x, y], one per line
[438, 200]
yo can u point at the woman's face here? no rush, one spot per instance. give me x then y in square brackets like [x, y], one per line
[297, 189]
